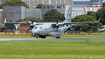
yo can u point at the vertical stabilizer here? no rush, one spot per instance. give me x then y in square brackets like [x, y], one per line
[68, 19]
[5, 20]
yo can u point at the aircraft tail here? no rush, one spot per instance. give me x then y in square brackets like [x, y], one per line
[5, 20]
[68, 19]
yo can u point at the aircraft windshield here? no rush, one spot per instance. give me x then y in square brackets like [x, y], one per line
[35, 28]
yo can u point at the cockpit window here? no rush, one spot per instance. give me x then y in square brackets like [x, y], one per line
[35, 28]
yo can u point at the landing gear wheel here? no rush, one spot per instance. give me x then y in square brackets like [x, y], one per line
[37, 37]
[57, 37]
[34, 35]
[43, 37]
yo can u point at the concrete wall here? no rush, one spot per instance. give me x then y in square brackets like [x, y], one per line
[23, 12]
[33, 13]
[16, 13]
[13, 13]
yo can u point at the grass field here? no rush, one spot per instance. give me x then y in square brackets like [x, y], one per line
[52, 50]
[62, 36]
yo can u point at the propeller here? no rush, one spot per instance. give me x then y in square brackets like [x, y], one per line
[31, 25]
[57, 24]
[32, 21]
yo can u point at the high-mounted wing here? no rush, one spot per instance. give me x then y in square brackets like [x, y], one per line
[78, 23]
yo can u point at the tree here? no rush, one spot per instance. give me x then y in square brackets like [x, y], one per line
[103, 4]
[14, 3]
[86, 18]
[101, 13]
[39, 6]
[91, 14]
[53, 15]
[36, 19]
[19, 20]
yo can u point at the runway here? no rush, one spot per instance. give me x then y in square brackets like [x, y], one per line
[47, 39]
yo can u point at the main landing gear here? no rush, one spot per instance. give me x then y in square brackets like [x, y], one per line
[43, 37]
[57, 37]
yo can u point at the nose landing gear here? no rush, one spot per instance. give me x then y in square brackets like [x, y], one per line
[33, 35]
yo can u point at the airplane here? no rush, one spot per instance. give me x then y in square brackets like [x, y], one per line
[41, 30]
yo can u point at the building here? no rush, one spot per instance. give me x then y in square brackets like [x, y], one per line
[95, 3]
[90, 3]
[33, 13]
[80, 3]
[15, 13]
[1, 10]
[3, 1]
[61, 8]
[64, 9]
[34, 3]
[83, 10]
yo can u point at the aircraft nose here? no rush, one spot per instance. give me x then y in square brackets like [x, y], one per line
[34, 31]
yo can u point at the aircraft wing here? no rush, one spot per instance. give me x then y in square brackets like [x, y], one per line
[79, 23]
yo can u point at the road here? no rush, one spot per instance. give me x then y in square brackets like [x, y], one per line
[47, 39]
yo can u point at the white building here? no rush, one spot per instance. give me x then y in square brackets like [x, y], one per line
[64, 9]
[34, 3]
[83, 10]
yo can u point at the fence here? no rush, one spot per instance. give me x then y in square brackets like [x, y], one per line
[20, 33]
[14, 33]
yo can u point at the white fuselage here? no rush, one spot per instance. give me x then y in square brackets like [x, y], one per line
[46, 29]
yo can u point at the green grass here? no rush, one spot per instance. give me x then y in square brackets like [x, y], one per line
[16, 36]
[62, 36]
[84, 36]
[52, 50]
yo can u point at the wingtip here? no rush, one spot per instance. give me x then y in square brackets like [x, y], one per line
[99, 19]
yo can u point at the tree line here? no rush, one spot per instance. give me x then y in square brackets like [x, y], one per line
[14, 3]
[91, 16]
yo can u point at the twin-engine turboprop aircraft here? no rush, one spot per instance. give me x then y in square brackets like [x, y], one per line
[41, 30]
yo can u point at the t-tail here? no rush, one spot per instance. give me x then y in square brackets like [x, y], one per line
[68, 19]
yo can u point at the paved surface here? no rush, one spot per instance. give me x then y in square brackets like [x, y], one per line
[47, 39]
